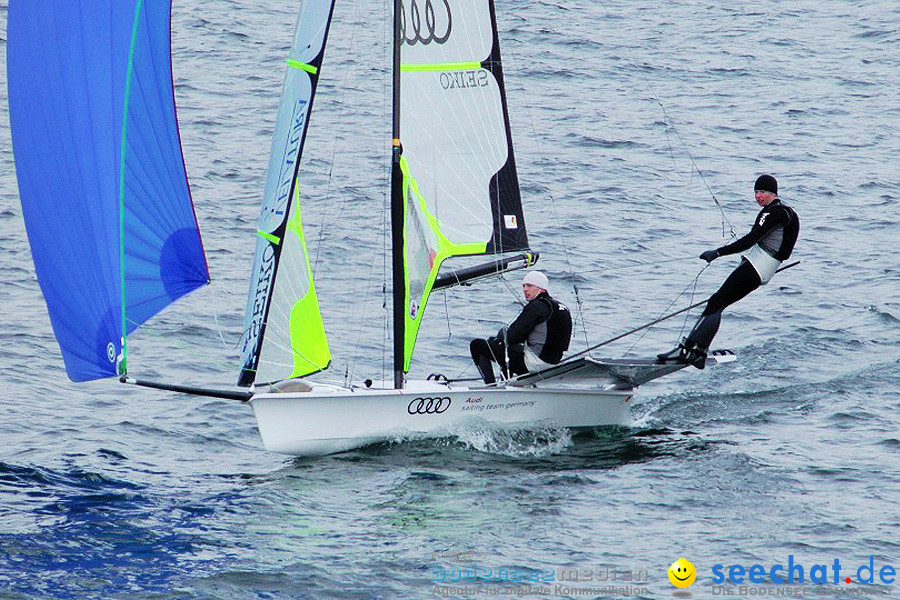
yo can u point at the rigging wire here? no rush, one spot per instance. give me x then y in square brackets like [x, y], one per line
[219, 329]
[171, 331]
[387, 31]
[343, 194]
[447, 313]
[693, 286]
[668, 122]
[654, 322]
[654, 263]
[579, 312]
[567, 255]
[341, 190]
[511, 289]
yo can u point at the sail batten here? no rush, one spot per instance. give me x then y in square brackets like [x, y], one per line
[440, 66]
[303, 67]
[284, 335]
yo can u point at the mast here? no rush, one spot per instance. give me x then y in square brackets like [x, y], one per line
[397, 208]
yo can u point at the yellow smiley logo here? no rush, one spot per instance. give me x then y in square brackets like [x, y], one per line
[682, 573]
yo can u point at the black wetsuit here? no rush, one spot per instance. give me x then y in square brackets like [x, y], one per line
[543, 323]
[775, 230]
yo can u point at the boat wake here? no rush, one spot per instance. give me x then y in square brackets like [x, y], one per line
[490, 438]
[518, 442]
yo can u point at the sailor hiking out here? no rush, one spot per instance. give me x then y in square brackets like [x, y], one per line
[535, 340]
[770, 242]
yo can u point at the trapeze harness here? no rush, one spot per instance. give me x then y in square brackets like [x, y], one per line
[548, 339]
[770, 241]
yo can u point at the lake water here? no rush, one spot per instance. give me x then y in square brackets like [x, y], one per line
[631, 121]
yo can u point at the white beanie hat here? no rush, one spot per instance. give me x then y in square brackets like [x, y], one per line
[536, 278]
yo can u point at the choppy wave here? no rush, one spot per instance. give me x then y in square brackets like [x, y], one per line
[639, 128]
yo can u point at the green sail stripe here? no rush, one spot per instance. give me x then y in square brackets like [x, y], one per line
[445, 249]
[302, 66]
[122, 367]
[268, 236]
[305, 324]
[441, 67]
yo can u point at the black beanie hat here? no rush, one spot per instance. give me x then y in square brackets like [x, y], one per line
[766, 183]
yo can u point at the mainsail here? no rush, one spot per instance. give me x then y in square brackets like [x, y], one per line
[460, 190]
[101, 175]
[284, 335]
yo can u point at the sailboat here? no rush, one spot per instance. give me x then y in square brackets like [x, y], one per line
[115, 238]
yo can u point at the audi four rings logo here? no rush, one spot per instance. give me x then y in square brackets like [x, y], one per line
[428, 406]
[424, 24]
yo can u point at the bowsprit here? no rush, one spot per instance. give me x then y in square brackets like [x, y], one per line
[428, 406]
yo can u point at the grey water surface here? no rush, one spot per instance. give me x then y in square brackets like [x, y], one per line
[639, 129]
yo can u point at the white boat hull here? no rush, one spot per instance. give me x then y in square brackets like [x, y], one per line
[326, 420]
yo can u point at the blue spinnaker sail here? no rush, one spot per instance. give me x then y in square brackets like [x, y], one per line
[101, 174]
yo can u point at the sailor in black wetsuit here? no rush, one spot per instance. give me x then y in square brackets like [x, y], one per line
[770, 242]
[535, 340]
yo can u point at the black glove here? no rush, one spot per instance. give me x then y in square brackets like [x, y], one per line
[710, 255]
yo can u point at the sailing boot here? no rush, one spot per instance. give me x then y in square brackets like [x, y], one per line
[678, 354]
[695, 354]
[698, 340]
